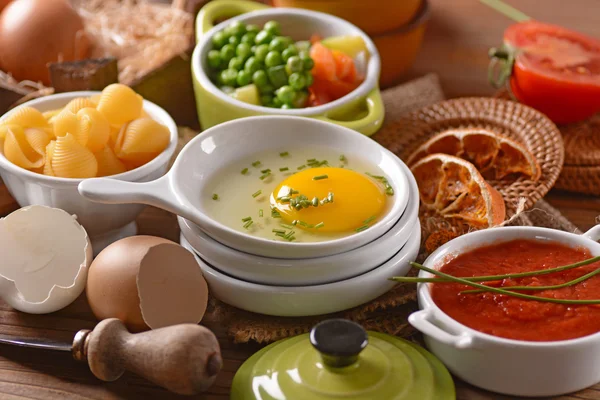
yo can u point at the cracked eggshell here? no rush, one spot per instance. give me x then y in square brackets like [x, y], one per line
[147, 282]
[45, 258]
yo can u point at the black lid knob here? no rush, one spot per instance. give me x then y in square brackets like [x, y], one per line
[339, 341]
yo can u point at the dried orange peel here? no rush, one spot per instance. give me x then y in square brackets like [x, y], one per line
[495, 156]
[454, 189]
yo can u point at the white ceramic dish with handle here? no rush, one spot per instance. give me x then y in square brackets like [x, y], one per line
[513, 367]
[308, 271]
[103, 223]
[297, 301]
[183, 189]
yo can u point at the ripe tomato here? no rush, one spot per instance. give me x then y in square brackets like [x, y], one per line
[556, 70]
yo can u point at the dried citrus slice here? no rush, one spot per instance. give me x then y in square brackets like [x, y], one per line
[453, 188]
[494, 155]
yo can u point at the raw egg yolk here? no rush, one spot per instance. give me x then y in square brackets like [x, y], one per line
[357, 199]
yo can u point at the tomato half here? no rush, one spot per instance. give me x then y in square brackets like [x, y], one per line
[556, 70]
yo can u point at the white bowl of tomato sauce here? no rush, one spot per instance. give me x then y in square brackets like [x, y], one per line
[515, 346]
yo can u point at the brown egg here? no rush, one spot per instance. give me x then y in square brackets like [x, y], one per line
[34, 33]
[147, 282]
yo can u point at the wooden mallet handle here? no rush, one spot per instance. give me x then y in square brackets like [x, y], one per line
[183, 358]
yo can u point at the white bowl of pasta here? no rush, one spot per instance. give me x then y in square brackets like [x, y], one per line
[104, 223]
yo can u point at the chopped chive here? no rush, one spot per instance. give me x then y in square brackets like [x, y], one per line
[362, 228]
[302, 223]
[275, 215]
[324, 201]
[257, 193]
[287, 226]
[292, 191]
[302, 167]
[284, 199]
[330, 197]
[260, 212]
[389, 190]
[256, 163]
[244, 171]
[320, 177]
[294, 222]
[278, 231]
[247, 224]
[246, 219]
[285, 153]
[265, 175]
[290, 234]
[315, 201]
[280, 234]
[264, 171]
[283, 169]
[291, 239]
[319, 225]
[215, 196]
[368, 220]
[311, 159]
[343, 158]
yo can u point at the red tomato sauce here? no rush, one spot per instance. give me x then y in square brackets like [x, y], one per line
[521, 319]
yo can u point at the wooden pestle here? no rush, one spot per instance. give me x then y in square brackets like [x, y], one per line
[183, 358]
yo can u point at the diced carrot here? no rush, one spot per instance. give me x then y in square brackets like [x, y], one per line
[325, 66]
[332, 90]
[315, 38]
[344, 66]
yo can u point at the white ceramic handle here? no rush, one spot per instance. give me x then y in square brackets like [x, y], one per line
[593, 233]
[420, 320]
[157, 193]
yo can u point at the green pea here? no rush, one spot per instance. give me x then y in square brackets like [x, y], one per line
[272, 27]
[308, 63]
[261, 52]
[294, 64]
[234, 40]
[227, 52]
[301, 99]
[237, 28]
[297, 81]
[253, 49]
[228, 89]
[236, 63]
[277, 44]
[309, 79]
[277, 76]
[289, 52]
[229, 77]
[251, 28]
[260, 78]
[214, 58]
[287, 41]
[263, 37]
[252, 65]
[219, 39]
[303, 45]
[276, 103]
[248, 38]
[286, 107]
[273, 59]
[303, 54]
[266, 89]
[244, 78]
[243, 51]
[285, 94]
[266, 99]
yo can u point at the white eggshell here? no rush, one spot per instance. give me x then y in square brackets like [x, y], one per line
[45, 257]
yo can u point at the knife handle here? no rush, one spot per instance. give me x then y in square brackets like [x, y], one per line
[183, 358]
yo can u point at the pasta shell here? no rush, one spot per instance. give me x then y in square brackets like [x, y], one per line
[79, 103]
[72, 160]
[27, 117]
[120, 104]
[49, 156]
[49, 115]
[18, 151]
[94, 127]
[38, 140]
[67, 122]
[95, 99]
[108, 163]
[5, 128]
[141, 141]
[114, 135]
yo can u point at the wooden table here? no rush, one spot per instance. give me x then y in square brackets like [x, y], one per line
[457, 40]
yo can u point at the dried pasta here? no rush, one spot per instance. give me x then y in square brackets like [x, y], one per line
[102, 135]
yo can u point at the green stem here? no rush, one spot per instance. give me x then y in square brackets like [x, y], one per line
[502, 276]
[551, 287]
[506, 10]
[502, 291]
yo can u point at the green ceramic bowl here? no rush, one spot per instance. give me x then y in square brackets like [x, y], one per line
[361, 110]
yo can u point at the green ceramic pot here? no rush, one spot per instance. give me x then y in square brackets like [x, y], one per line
[344, 362]
[361, 110]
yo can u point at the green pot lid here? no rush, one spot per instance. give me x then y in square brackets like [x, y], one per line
[344, 361]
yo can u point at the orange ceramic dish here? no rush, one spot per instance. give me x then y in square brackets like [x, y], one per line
[372, 17]
[398, 49]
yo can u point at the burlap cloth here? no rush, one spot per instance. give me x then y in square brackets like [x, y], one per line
[389, 312]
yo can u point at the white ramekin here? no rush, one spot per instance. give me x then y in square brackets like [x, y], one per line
[513, 367]
[103, 223]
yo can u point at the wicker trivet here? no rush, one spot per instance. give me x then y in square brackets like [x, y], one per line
[389, 312]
